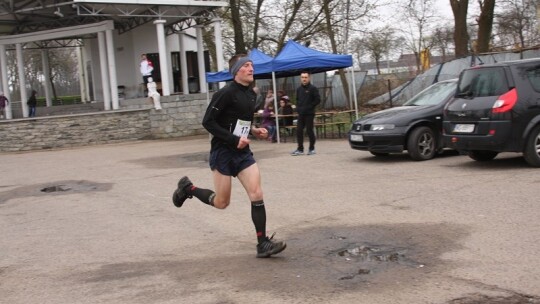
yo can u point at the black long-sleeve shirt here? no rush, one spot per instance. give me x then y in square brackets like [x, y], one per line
[307, 98]
[228, 105]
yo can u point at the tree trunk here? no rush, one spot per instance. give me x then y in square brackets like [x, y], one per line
[290, 20]
[239, 43]
[461, 37]
[331, 35]
[209, 41]
[51, 79]
[257, 23]
[378, 65]
[485, 24]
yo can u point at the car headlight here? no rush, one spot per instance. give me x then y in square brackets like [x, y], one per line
[382, 127]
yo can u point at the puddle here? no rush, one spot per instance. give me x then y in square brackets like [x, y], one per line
[372, 254]
[63, 187]
[367, 259]
[55, 188]
[484, 299]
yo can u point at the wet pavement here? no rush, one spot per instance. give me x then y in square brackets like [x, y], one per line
[97, 225]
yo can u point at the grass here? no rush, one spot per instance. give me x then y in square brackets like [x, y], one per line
[61, 100]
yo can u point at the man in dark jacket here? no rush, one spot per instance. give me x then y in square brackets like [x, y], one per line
[229, 118]
[32, 102]
[307, 98]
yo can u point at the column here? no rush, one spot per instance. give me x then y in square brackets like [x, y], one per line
[82, 75]
[104, 75]
[219, 47]
[22, 80]
[112, 69]
[5, 87]
[163, 57]
[183, 64]
[200, 59]
[46, 75]
[86, 73]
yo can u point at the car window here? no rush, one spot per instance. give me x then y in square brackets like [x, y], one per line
[534, 77]
[433, 95]
[482, 82]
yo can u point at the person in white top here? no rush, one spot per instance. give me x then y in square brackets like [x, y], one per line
[146, 68]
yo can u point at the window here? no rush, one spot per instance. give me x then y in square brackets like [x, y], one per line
[534, 77]
[483, 82]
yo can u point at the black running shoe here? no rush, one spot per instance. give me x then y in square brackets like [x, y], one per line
[269, 247]
[180, 195]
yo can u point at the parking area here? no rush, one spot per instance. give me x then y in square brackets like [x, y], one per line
[97, 225]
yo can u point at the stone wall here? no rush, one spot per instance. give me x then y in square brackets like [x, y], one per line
[137, 119]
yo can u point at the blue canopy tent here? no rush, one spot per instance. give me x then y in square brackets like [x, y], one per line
[262, 65]
[293, 59]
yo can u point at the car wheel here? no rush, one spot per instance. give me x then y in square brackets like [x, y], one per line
[481, 155]
[378, 153]
[422, 144]
[532, 148]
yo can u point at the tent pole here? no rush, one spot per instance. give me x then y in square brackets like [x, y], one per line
[354, 92]
[275, 106]
[208, 103]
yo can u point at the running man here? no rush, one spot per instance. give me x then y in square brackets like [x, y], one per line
[229, 119]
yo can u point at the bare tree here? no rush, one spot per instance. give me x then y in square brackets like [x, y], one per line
[485, 25]
[420, 15]
[377, 44]
[280, 20]
[63, 69]
[257, 23]
[517, 25]
[338, 18]
[244, 22]
[441, 40]
[299, 20]
[239, 43]
[461, 36]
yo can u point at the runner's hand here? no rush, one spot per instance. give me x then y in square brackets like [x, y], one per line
[260, 133]
[243, 142]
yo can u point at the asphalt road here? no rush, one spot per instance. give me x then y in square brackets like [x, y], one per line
[97, 225]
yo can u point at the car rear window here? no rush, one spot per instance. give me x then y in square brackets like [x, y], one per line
[483, 82]
[534, 77]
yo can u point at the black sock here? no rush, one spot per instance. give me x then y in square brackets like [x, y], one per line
[204, 195]
[258, 215]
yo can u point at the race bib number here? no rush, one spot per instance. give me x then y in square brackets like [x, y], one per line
[242, 128]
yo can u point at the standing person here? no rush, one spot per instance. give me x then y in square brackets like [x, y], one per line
[307, 98]
[3, 103]
[229, 118]
[32, 102]
[146, 67]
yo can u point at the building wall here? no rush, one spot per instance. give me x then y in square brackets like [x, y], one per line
[181, 116]
[128, 49]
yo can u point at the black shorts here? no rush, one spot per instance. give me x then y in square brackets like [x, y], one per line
[230, 162]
